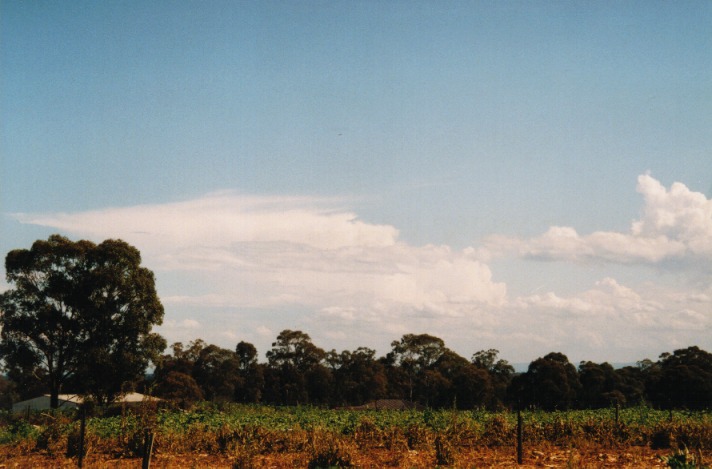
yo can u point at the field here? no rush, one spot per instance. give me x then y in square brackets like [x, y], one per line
[259, 436]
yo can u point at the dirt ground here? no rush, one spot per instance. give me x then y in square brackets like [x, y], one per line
[634, 457]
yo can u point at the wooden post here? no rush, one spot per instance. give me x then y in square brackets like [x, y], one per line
[520, 437]
[618, 410]
[82, 433]
[147, 448]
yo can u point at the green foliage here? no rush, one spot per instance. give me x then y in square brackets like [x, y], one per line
[18, 430]
[683, 459]
[79, 314]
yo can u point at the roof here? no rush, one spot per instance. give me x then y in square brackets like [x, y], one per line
[70, 401]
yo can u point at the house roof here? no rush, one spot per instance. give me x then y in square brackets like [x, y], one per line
[74, 400]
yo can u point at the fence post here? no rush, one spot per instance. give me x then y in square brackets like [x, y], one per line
[147, 448]
[618, 410]
[82, 433]
[520, 438]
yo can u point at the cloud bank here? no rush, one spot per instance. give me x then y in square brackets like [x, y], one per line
[239, 267]
[289, 251]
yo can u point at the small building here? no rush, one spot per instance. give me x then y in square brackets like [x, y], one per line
[72, 401]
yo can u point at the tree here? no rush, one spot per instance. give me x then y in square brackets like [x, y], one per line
[295, 349]
[217, 373]
[182, 360]
[251, 375]
[550, 383]
[292, 361]
[684, 380]
[358, 376]
[462, 384]
[180, 388]
[8, 393]
[631, 384]
[80, 313]
[600, 385]
[413, 354]
[500, 371]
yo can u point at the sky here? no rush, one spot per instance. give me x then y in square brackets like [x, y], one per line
[525, 176]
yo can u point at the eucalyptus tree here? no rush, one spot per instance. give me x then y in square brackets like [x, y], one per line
[410, 358]
[295, 373]
[551, 383]
[79, 313]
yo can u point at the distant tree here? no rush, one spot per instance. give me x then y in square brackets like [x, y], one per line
[79, 312]
[292, 361]
[178, 387]
[181, 360]
[358, 376]
[550, 383]
[462, 384]
[294, 349]
[413, 354]
[246, 355]
[251, 381]
[684, 380]
[217, 373]
[600, 385]
[500, 371]
[631, 384]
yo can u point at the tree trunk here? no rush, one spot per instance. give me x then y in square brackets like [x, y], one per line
[54, 388]
[54, 397]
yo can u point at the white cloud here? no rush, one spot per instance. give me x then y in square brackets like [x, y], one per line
[676, 225]
[253, 252]
[179, 330]
[608, 297]
[248, 267]
[222, 219]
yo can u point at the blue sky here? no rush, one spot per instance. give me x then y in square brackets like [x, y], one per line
[529, 176]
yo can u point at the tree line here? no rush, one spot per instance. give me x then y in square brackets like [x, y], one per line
[79, 319]
[421, 369]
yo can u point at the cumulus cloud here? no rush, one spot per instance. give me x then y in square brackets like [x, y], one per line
[676, 225]
[607, 298]
[610, 320]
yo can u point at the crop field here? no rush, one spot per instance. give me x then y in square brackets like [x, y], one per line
[238, 436]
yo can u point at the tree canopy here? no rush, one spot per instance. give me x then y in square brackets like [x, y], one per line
[79, 315]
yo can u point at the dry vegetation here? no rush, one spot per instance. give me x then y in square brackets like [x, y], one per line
[261, 437]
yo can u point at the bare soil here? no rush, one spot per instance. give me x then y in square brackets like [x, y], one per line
[632, 457]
